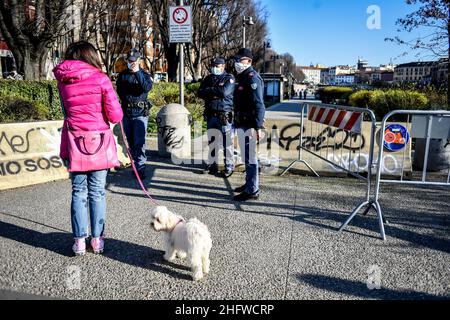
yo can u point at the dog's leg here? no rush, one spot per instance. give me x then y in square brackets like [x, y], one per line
[206, 262]
[196, 265]
[170, 254]
[205, 259]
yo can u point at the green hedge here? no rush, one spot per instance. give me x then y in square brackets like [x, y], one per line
[17, 109]
[44, 93]
[383, 102]
[338, 95]
[39, 100]
[164, 93]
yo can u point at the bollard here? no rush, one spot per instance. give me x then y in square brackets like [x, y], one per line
[174, 131]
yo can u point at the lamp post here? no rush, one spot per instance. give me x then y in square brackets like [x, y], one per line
[274, 58]
[248, 21]
[281, 67]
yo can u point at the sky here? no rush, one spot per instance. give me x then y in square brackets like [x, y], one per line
[335, 32]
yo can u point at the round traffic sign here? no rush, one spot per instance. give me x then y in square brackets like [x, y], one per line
[396, 137]
[180, 15]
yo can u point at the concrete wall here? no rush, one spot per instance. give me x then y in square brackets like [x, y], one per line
[29, 154]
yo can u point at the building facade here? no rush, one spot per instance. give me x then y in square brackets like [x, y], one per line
[339, 75]
[312, 74]
[414, 72]
[343, 79]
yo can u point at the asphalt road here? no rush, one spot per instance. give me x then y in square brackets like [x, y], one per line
[284, 246]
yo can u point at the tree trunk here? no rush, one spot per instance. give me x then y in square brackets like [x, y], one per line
[31, 62]
[172, 60]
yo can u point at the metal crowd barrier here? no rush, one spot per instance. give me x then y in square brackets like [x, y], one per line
[346, 122]
[426, 125]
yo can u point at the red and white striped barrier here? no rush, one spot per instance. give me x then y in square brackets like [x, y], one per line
[346, 120]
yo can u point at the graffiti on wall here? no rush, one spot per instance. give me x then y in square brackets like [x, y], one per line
[360, 163]
[328, 138]
[34, 150]
[169, 135]
[344, 150]
[170, 138]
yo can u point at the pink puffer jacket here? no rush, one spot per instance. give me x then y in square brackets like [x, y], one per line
[89, 99]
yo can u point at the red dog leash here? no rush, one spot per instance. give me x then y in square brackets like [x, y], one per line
[134, 166]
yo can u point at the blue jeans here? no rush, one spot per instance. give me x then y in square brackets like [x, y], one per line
[88, 188]
[215, 125]
[248, 145]
[136, 131]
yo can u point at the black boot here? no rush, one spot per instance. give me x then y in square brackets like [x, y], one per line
[246, 196]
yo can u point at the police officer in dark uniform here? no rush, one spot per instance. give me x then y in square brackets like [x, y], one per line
[133, 86]
[249, 121]
[217, 89]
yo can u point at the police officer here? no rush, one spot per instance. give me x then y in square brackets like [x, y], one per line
[249, 121]
[217, 90]
[133, 86]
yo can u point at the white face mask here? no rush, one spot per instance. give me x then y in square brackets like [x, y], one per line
[240, 67]
[216, 71]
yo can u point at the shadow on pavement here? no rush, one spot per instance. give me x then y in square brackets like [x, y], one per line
[122, 251]
[193, 194]
[317, 217]
[57, 242]
[360, 289]
[402, 220]
[143, 257]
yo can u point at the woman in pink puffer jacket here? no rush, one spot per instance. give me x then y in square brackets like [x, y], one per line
[90, 103]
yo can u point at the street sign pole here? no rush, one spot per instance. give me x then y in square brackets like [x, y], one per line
[181, 68]
[180, 25]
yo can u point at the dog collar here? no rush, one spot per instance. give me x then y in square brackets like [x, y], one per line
[178, 223]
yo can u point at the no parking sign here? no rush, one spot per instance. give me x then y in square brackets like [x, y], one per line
[396, 137]
[180, 25]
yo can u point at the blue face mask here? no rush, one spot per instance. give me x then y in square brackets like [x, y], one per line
[216, 71]
[129, 66]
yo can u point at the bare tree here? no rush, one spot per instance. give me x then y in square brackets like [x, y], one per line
[298, 74]
[217, 31]
[160, 10]
[433, 15]
[115, 26]
[31, 30]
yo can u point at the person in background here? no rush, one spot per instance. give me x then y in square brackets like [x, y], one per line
[90, 103]
[217, 89]
[249, 120]
[133, 86]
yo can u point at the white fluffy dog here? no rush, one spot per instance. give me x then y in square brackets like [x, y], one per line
[184, 239]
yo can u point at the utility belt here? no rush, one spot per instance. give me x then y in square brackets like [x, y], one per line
[138, 108]
[226, 118]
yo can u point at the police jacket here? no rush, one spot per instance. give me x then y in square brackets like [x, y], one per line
[217, 91]
[249, 104]
[133, 88]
